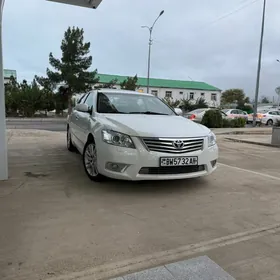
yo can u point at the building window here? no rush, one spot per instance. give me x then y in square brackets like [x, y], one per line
[155, 92]
[213, 96]
[168, 94]
[191, 95]
[202, 94]
[181, 92]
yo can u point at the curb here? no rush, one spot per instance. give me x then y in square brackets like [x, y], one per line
[244, 133]
[252, 142]
[240, 131]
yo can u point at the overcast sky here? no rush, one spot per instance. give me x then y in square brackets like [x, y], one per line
[190, 39]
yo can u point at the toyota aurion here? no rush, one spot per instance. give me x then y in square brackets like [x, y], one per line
[136, 136]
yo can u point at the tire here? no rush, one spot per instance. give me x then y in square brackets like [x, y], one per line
[270, 122]
[70, 145]
[90, 162]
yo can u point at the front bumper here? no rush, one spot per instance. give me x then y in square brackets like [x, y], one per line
[139, 160]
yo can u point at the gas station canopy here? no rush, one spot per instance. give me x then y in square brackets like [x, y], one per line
[82, 3]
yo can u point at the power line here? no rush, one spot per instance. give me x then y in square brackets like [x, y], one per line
[233, 12]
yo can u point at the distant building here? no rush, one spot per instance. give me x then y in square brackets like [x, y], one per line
[8, 74]
[175, 89]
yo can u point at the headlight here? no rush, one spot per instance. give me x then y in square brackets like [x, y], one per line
[117, 139]
[211, 139]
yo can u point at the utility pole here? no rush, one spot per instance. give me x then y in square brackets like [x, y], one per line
[150, 48]
[259, 67]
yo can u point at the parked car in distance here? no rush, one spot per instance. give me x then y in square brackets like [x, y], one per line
[270, 117]
[259, 116]
[235, 113]
[131, 136]
[197, 115]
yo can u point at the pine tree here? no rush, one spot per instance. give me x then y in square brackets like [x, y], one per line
[130, 83]
[72, 69]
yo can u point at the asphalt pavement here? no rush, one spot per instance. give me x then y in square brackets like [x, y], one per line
[38, 124]
[57, 224]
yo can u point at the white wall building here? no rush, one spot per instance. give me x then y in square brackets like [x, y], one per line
[175, 89]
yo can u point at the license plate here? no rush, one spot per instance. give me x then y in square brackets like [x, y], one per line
[178, 161]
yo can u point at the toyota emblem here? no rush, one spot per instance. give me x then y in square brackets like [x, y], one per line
[178, 144]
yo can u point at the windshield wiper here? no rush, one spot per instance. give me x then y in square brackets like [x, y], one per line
[148, 113]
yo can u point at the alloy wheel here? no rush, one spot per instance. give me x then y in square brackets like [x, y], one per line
[90, 160]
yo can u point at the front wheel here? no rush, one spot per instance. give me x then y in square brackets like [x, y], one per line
[90, 162]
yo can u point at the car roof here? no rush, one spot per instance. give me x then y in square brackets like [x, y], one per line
[122, 91]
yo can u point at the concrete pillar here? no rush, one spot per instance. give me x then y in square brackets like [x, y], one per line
[3, 139]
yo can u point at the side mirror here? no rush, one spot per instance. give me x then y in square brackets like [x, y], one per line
[178, 111]
[83, 108]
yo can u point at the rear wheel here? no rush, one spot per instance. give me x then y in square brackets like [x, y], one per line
[70, 145]
[270, 123]
[90, 162]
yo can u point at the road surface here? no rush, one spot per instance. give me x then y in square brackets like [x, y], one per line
[38, 124]
[57, 224]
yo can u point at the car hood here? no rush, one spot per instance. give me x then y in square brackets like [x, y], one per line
[153, 125]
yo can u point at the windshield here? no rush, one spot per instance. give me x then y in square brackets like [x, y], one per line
[127, 103]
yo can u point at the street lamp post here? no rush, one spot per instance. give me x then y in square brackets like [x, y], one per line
[150, 47]
[3, 141]
[259, 67]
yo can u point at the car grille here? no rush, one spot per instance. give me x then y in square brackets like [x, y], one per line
[169, 170]
[166, 145]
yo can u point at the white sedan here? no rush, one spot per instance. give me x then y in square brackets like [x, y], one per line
[270, 117]
[135, 136]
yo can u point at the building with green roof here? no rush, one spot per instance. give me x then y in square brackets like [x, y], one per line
[177, 89]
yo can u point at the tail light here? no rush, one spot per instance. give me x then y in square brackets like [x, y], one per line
[264, 116]
[192, 117]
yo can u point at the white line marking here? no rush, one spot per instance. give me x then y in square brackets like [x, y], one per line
[250, 171]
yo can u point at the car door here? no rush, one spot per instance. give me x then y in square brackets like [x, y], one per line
[85, 119]
[234, 114]
[273, 115]
[241, 114]
[277, 115]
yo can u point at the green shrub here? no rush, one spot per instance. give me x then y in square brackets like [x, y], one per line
[227, 123]
[240, 122]
[212, 119]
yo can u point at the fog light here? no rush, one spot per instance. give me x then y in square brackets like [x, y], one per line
[116, 167]
[213, 163]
